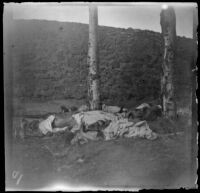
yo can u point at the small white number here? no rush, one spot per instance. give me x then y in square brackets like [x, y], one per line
[16, 174]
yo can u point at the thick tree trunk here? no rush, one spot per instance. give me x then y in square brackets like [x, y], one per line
[168, 26]
[93, 76]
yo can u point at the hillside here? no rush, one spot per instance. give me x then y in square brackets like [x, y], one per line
[50, 62]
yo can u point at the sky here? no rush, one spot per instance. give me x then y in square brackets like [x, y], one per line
[123, 15]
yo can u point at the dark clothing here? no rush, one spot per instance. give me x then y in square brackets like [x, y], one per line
[32, 129]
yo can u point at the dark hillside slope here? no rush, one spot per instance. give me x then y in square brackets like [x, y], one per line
[50, 61]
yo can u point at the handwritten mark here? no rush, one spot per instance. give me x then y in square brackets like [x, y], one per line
[17, 175]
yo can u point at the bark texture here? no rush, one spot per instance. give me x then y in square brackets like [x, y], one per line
[93, 75]
[168, 26]
[193, 130]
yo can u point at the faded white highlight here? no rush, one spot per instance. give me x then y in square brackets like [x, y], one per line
[164, 6]
[61, 186]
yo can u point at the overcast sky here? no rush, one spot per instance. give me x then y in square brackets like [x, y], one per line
[134, 15]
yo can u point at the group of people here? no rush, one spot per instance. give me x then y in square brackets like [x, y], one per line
[66, 121]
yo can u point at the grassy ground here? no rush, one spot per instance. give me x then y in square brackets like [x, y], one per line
[121, 163]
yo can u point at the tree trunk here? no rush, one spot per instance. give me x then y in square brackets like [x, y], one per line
[168, 26]
[93, 75]
[193, 130]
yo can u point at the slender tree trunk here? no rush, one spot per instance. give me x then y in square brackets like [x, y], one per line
[193, 130]
[168, 26]
[93, 76]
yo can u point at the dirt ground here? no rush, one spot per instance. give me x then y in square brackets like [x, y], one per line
[121, 163]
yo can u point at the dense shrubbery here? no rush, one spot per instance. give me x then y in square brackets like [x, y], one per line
[50, 61]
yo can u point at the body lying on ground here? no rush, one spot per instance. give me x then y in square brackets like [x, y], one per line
[113, 109]
[110, 126]
[92, 125]
[146, 112]
[52, 124]
[104, 107]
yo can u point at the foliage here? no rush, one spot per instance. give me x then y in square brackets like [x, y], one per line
[50, 61]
